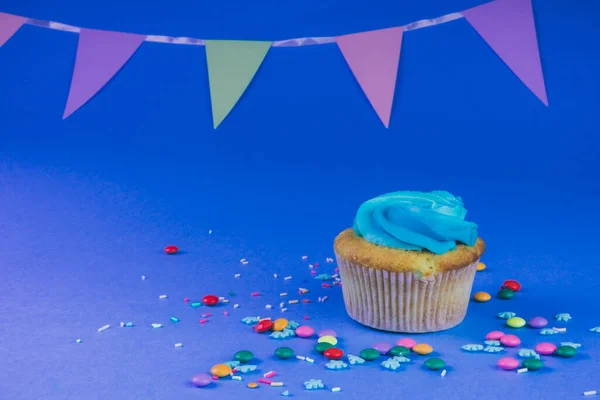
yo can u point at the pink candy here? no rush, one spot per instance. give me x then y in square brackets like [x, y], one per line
[545, 348]
[304, 331]
[495, 335]
[510, 340]
[406, 342]
[508, 363]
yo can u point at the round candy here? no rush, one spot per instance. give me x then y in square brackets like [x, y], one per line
[382, 347]
[480, 266]
[253, 385]
[545, 348]
[422, 349]
[284, 353]
[398, 351]
[304, 331]
[328, 339]
[533, 364]
[280, 324]
[506, 294]
[435, 364]
[515, 322]
[482, 297]
[508, 363]
[327, 332]
[369, 354]
[565, 351]
[406, 342]
[243, 356]
[321, 347]
[210, 300]
[201, 380]
[171, 249]
[510, 340]
[538, 322]
[220, 370]
[512, 285]
[333, 353]
[494, 335]
[263, 326]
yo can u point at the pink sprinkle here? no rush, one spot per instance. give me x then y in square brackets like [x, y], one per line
[225, 313]
[305, 300]
[306, 317]
[234, 370]
[337, 270]
[203, 321]
[254, 294]
[325, 285]
[215, 378]
[316, 265]
[270, 374]
[186, 300]
[313, 272]
[268, 382]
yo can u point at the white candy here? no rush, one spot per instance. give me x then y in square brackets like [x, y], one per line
[178, 344]
[102, 329]
[162, 296]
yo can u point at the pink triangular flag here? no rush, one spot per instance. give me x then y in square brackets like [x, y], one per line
[508, 27]
[9, 24]
[100, 55]
[373, 58]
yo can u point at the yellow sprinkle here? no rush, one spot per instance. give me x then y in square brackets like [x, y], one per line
[480, 266]
[482, 297]
[292, 301]
[253, 385]
[422, 349]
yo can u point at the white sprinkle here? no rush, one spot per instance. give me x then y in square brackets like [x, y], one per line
[210, 232]
[236, 305]
[324, 298]
[264, 319]
[309, 360]
[245, 263]
[237, 275]
[301, 358]
[590, 393]
[178, 344]
[320, 299]
[559, 329]
[143, 277]
[225, 301]
[292, 301]
[221, 298]
[276, 383]
[155, 325]
[336, 389]
[329, 260]
[236, 377]
[287, 278]
[304, 257]
[105, 327]
[268, 306]
[302, 289]
[443, 373]
[282, 294]
[242, 260]
[284, 309]
[334, 275]
[122, 324]
[311, 266]
[162, 296]
[78, 341]
[521, 370]
[275, 275]
[281, 304]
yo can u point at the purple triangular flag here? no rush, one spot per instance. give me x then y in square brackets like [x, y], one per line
[100, 55]
[508, 27]
[9, 24]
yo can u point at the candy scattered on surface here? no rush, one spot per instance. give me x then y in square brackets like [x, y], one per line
[232, 364]
[390, 364]
[263, 326]
[538, 322]
[336, 364]
[406, 342]
[382, 347]
[328, 339]
[221, 370]
[103, 328]
[573, 345]
[398, 351]
[253, 385]
[548, 331]
[333, 353]
[565, 351]
[243, 356]
[494, 335]
[321, 347]
[506, 294]
[327, 332]
[435, 364]
[545, 348]
[528, 353]
[355, 360]
[510, 340]
[480, 266]
[284, 353]
[210, 300]
[472, 347]
[492, 342]
[512, 285]
[506, 314]
[280, 324]
[313, 384]
[402, 359]
[482, 297]
[304, 331]
[508, 363]
[590, 393]
[515, 322]
[533, 364]
[285, 393]
[245, 368]
[493, 349]
[201, 380]
[171, 249]
[595, 329]
[422, 349]
[563, 317]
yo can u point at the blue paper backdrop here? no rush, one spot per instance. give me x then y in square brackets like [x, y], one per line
[87, 204]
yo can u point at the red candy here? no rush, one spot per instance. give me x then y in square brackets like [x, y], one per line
[210, 300]
[512, 285]
[263, 325]
[333, 353]
[171, 249]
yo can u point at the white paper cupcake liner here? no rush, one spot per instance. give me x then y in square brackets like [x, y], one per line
[400, 302]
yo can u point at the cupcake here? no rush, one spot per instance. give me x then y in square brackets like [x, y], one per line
[409, 261]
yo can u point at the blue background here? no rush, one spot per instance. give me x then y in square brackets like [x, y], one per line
[87, 204]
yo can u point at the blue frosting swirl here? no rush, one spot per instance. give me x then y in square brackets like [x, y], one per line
[432, 221]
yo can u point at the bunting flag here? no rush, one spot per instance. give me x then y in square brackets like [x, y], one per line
[373, 58]
[9, 24]
[508, 27]
[100, 55]
[231, 66]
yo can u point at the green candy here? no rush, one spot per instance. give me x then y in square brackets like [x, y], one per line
[399, 351]
[506, 294]
[321, 347]
[435, 364]
[284, 353]
[533, 364]
[243, 356]
[565, 351]
[369, 354]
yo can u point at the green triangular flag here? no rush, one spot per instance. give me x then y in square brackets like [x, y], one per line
[231, 66]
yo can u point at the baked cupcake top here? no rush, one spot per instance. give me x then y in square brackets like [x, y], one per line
[412, 230]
